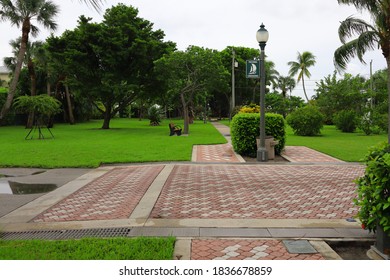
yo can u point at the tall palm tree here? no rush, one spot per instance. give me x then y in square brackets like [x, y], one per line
[300, 67]
[30, 58]
[365, 36]
[22, 13]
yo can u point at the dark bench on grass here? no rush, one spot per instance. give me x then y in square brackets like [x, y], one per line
[174, 129]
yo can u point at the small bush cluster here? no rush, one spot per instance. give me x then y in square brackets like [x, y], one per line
[306, 121]
[245, 128]
[346, 121]
[373, 123]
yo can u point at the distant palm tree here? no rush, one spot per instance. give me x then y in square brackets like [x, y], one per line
[365, 36]
[21, 13]
[285, 83]
[300, 67]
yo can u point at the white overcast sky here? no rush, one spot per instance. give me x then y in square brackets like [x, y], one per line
[299, 25]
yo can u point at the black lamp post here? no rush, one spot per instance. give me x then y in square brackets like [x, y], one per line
[262, 37]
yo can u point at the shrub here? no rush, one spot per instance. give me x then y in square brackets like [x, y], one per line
[373, 122]
[346, 121]
[154, 115]
[374, 190]
[245, 129]
[251, 108]
[306, 121]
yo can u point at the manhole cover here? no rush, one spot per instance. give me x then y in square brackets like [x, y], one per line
[299, 247]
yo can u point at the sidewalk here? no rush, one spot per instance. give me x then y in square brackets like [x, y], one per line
[218, 209]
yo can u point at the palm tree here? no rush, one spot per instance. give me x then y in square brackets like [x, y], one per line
[300, 67]
[30, 60]
[285, 83]
[21, 13]
[365, 36]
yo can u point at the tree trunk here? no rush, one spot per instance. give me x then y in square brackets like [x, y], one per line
[304, 89]
[22, 51]
[33, 90]
[107, 116]
[69, 101]
[185, 114]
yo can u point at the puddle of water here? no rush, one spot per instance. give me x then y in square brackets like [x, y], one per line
[8, 187]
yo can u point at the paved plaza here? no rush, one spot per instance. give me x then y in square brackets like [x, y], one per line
[218, 206]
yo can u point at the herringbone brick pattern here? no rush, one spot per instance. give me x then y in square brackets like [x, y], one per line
[305, 154]
[112, 196]
[216, 153]
[259, 192]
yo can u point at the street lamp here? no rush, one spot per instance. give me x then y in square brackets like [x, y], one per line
[262, 37]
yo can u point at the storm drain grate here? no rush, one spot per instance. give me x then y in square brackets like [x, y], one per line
[66, 234]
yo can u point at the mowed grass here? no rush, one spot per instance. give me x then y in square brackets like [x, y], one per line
[86, 145]
[141, 248]
[351, 147]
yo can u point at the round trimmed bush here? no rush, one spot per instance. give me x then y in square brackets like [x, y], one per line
[306, 121]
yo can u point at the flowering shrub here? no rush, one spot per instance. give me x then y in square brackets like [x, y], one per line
[252, 108]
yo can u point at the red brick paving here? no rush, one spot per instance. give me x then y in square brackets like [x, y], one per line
[216, 153]
[305, 154]
[259, 192]
[248, 249]
[112, 196]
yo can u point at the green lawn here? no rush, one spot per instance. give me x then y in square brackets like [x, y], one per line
[86, 145]
[350, 147]
[89, 249]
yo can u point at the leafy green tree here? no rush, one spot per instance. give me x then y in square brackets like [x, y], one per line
[301, 67]
[364, 36]
[110, 62]
[334, 95]
[22, 13]
[196, 71]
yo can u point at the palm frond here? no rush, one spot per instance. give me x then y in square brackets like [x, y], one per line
[96, 4]
[373, 6]
[367, 41]
[344, 54]
[353, 27]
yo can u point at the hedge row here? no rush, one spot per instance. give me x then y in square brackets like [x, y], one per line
[245, 128]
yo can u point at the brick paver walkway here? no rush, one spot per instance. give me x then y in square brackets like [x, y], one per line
[268, 192]
[215, 153]
[112, 196]
[306, 155]
[231, 249]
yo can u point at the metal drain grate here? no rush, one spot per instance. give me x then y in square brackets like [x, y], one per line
[66, 234]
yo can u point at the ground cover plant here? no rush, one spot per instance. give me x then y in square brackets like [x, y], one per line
[140, 248]
[86, 145]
